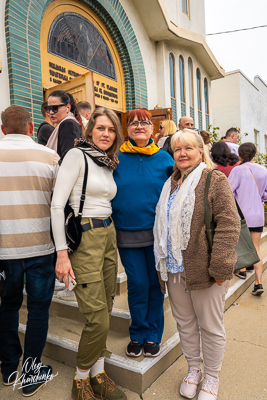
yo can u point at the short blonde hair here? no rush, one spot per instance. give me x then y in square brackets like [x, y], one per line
[188, 136]
[169, 127]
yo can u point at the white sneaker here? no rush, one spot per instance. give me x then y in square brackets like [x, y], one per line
[59, 285]
[66, 295]
[188, 387]
[209, 388]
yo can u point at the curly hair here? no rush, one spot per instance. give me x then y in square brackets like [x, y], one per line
[221, 154]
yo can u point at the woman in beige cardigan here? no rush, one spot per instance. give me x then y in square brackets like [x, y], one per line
[197, 280]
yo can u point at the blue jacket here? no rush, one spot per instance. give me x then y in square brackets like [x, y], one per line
[139, 179]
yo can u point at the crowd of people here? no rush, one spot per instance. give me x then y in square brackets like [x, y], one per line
[144, 199]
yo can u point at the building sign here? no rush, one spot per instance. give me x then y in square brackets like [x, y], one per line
[58, 74]
[103, 91]
[74, 42]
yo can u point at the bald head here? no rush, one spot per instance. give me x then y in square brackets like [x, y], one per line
[186, 122]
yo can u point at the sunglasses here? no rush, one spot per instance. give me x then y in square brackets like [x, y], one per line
[161, 127]
[53, 108]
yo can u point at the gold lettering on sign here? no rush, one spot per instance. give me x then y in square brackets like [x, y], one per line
[106, 92]
[58, 73]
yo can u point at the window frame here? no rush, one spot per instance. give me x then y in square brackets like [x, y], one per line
[256, 139]
[184, 93]
[171, 57]
[188, 8]
[199, 99]
[191, 80]
[206, 96]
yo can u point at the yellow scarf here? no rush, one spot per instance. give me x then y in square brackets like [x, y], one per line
[128, 147]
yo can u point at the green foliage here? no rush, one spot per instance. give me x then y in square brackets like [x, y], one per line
[261, 158]
[214, 133]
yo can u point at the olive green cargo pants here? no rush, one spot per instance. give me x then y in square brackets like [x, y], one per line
[95, 266]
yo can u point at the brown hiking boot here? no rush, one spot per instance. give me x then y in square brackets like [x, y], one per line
[82, 390]
[104, 388]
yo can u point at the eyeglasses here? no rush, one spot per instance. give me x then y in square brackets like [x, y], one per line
[53, 108]
[144, 124]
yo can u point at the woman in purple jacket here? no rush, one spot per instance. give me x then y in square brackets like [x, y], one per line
[249, 185]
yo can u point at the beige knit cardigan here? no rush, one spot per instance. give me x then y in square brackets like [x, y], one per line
[201, 266]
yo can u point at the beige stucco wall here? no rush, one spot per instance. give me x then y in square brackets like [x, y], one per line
[238, 102]
[195, 22]
[226, 102]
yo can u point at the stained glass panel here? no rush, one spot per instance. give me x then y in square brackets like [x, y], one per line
[76, 39]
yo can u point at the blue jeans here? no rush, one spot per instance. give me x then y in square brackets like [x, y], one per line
[144, 295]
[40, 282]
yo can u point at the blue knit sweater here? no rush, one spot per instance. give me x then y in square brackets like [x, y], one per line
[139, 179]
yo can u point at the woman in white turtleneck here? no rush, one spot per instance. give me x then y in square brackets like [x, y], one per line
[94, 264]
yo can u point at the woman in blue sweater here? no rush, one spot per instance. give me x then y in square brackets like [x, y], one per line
[142, 171]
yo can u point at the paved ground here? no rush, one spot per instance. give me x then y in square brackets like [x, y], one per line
[244, 371]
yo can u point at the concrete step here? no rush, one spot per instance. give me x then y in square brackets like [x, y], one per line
[135, 374]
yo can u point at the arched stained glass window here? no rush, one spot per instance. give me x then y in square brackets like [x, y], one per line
[206, 94]
[76, 39]
[182, 86]
[172, 87]
[199, 104]
[191, 87]
[172, 75]
[190, 80]
[181, 72]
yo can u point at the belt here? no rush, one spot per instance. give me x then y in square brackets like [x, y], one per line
[97, 223]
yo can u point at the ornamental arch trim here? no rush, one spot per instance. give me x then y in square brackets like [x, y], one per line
[22, 26]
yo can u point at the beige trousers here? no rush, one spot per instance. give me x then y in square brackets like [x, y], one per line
[199, 317]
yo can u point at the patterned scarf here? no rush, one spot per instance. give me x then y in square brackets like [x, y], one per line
[99, 156]
[150, 149]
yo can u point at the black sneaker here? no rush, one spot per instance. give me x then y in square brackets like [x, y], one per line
[30, 389]
[258, 290]
[134, 349]
[241, 274]
[8, 380]
[151, 349]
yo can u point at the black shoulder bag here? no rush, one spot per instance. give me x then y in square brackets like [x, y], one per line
[246, 252]
[73, 227]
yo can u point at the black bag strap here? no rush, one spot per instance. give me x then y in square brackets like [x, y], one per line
[82, 199]
[206, 204]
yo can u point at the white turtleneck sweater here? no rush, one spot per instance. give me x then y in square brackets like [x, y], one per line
[100, 190]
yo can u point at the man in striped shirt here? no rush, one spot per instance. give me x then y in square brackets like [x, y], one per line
[27, 175]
